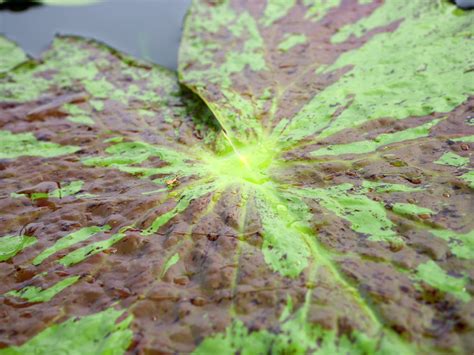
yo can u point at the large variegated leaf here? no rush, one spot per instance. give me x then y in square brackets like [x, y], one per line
[331, 214]
[363, 112]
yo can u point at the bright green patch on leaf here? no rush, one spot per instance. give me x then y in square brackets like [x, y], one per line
[10, 55]
[124, 156]
[250, 164]
[25, 144]
[94, 334]
[469, 178]
[98, 105]
[368, 146]
[365, 215]
[83, 253]
[435, 276]
[452, 159]
[78, 115]
[285, 229]
[409, 209]
[469, 139]
[68, 241]
[276, 9]
[66, 190]
[37, 294]
[10, 245]
[461, 245]
[291, 40]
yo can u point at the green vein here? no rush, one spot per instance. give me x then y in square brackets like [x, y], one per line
[184, 199]
[169, 263]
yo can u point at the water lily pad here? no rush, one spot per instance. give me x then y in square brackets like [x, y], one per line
[315, 211]
[362, 107]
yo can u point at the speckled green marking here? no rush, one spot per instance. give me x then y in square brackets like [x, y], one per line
[25, 144]
[94, 334]
[382, 16]
[10, 245]
[37, 294]
[435, 276]
[98, 105]
[418, 80]
[68, 241]
[237, 117]
[284, 222]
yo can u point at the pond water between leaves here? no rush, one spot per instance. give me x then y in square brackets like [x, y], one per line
[146, 29]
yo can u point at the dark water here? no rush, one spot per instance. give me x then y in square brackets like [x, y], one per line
[148, 29]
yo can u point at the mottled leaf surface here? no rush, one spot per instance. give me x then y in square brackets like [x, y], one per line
[365, 115]
[79, 272]
[327, 211]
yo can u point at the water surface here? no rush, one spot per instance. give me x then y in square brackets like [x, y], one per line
[148, 29]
